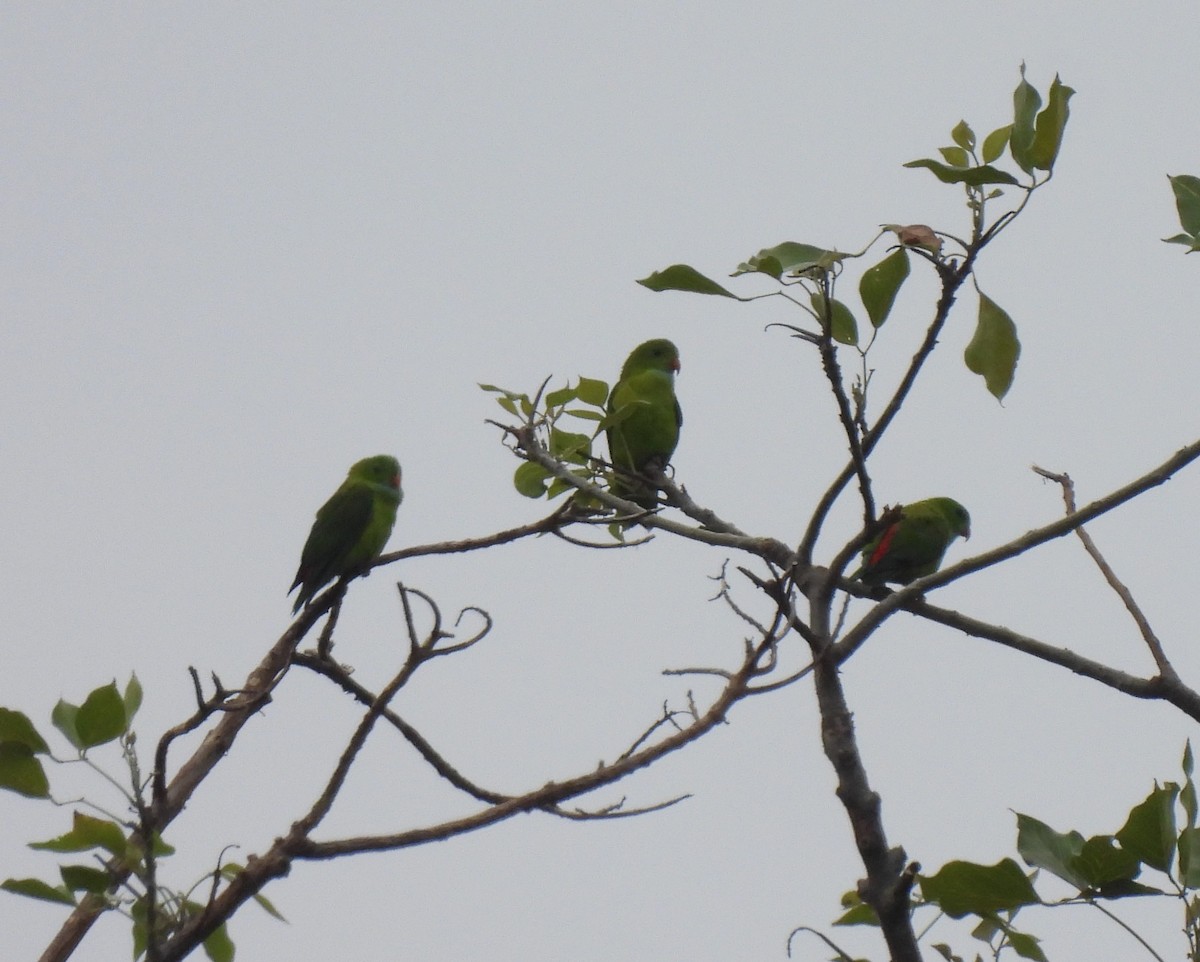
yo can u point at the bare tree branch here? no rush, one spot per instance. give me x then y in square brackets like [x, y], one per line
[542, 526]
[888, 883]
[1156, 649]
[1160, 688]
[342, 678]
[297, 844]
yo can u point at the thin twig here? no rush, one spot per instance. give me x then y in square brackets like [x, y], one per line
[433, 758]
[616, 811]
[833, 374]
[952, 279]
[1064, 481]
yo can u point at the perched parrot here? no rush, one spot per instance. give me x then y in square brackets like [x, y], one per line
[351, 527]
[644, 440]
[912, 547]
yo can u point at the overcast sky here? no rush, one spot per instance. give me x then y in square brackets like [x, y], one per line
[244, 247]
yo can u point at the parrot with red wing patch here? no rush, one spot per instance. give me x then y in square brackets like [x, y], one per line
[913, 546]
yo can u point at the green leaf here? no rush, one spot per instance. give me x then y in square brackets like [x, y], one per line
[37, 889]
[963, 135]
[586, 415]
[101, 717]
[971, 176]
[557, 486]
[1103, 863]
[1187, 795]
[132, 698]
[881, 283]
[995, 142]
[138, 913]
[1187, 201]
[268, 906]
[1192, 911]
[557, 398]
[994, 349]
[613, 418]
[530, 479]
[568, 446]
[1026, 101]
[955, 156]
[1026, 946]
[160, 848]
[1126, 888]
[85, 878]
[1043, 847]
[1187, 798]
[22, 772]
[63, 717]
[861, 914]
[219, 946]
[231, 870]
[844, 328]
[87, 832]
[1048, 131]
[789, 257]
[1189, 858]
[1187, 240]
[857, 911]
[963, 888]
[1149, 831]
[592, 391]
[763, 265]
[511, 401]
[16, 727]
[514, 403]
[681, 277]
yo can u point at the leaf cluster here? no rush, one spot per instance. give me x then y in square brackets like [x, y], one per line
[1159, 835]
[118, 848]
[584, 401]
[1187, 203]
[1032, 141]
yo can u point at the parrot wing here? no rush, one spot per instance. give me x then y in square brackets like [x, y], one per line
[340, 525]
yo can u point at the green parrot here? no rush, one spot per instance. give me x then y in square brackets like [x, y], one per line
[351, 527]
[644, 440]
[912, 547]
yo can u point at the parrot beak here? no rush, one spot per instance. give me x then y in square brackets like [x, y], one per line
[675, 365]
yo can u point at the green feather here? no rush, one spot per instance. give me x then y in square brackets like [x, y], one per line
[913, 546]
[351, 527]
[646, 419]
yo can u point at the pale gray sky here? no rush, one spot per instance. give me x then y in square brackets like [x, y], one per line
[245, 247]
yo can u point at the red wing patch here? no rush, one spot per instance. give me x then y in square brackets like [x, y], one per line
[881, 549]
